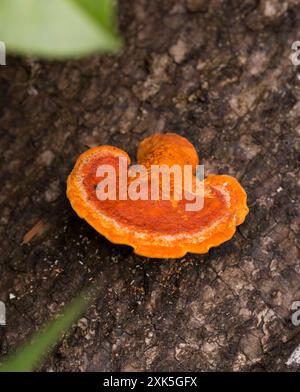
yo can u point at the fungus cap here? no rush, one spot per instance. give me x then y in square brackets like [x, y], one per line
[157, 228]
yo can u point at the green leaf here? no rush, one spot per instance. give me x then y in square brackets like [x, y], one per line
[28, 357]
[58, 28]
[103, 11]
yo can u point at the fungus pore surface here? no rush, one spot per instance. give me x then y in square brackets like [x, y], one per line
[157, 228]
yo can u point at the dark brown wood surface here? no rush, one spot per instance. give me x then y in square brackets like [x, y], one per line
[216, 72]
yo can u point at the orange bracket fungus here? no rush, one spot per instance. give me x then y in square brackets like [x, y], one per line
[155, 224]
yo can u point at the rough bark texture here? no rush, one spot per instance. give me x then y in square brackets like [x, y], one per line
[217, 72]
